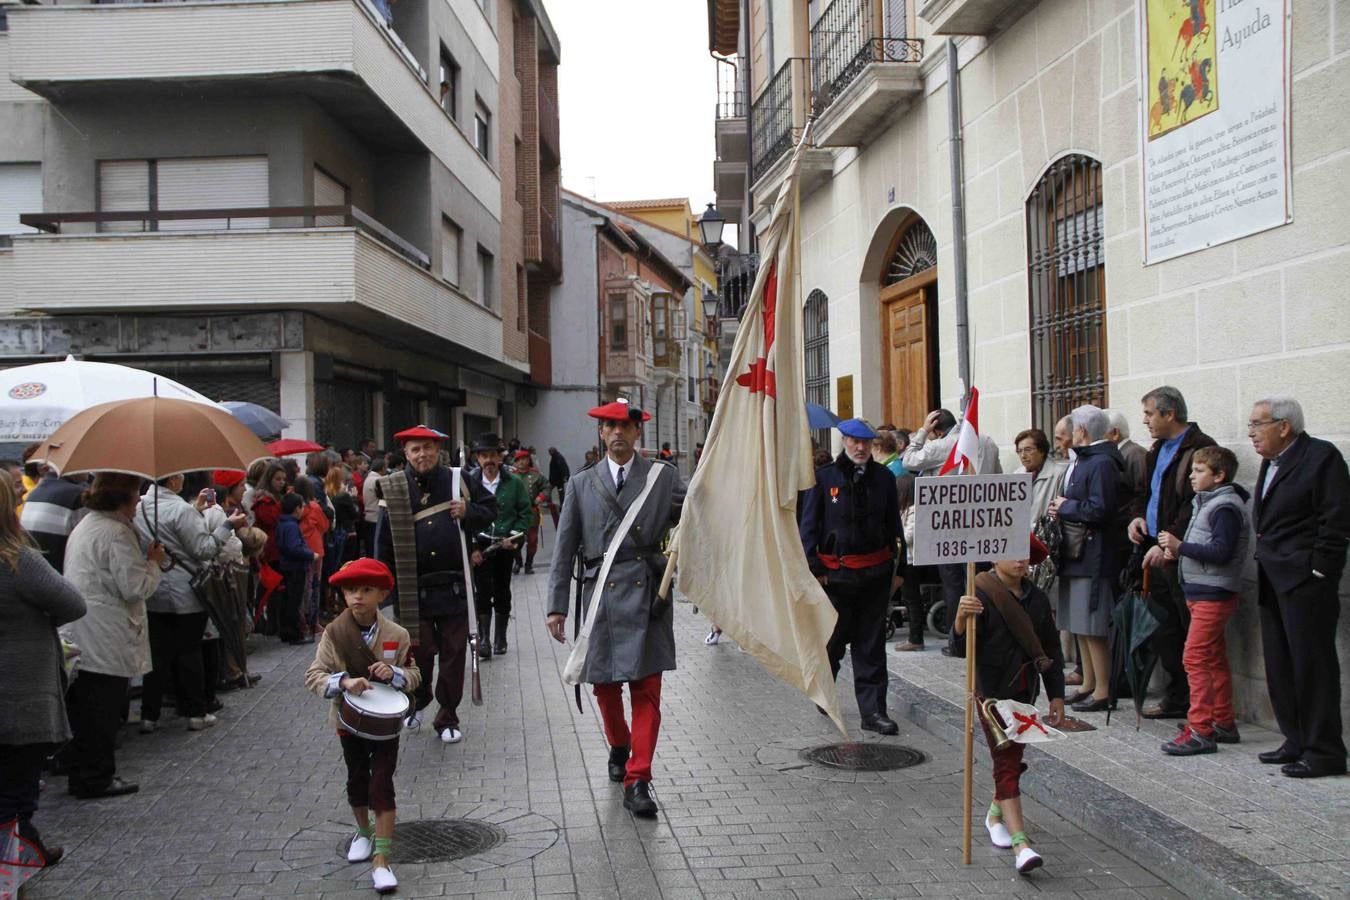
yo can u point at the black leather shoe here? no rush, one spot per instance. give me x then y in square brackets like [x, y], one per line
[1078, 697]
[1280, 757]
[50, 855]
[1090, 705]
[880, 724]
[1303, 769]
[116, 788]
[618, 763]
[637, 799]
[1163, 711]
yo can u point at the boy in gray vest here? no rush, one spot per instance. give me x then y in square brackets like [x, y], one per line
[1211, 557]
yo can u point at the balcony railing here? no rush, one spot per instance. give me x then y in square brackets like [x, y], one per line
[777, 116]
[730, 89]
[548, 125]
[736, 278]
[847, 39]
[275, 216]
[550, 242]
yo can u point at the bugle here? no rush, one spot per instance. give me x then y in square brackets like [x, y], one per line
[995, 725]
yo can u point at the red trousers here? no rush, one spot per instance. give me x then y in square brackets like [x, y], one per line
[1206, 662]
[645, 695]
[1008, 765]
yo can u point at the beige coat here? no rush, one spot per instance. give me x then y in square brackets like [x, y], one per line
[106, 564]
[326, 662]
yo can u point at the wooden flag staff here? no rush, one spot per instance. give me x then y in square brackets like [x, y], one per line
[970, 721]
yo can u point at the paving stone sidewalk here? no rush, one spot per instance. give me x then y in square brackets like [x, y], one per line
[1297, 829]
[255, 806]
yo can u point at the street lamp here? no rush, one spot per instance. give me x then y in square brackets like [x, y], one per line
[710, 304]
[710, 226]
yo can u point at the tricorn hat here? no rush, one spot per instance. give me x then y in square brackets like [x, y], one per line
[488, 440]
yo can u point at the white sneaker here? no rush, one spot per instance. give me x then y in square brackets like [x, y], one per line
[201, 723]
[359, 851]
[148, 726]
[383, 880]
[451, 736]
[998, 833]
[713, 637]
[1028, 859]
[413, 722]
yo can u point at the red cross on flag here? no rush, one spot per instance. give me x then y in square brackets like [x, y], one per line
[965, 455]
[740, 556]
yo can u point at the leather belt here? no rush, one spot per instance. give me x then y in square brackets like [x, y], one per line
[856, 560]
[640, 553]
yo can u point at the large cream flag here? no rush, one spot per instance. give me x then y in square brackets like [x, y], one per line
[740, 554]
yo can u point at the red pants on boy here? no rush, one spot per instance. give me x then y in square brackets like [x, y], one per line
[645, 695]
[1206, 662]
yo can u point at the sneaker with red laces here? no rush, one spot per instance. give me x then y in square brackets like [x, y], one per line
[1189, 743]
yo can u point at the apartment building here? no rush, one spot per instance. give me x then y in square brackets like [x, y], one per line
[294, 202]
[623, 305]
[1122, 230]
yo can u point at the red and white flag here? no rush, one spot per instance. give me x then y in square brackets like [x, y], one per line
[740, 555]
[965, 455]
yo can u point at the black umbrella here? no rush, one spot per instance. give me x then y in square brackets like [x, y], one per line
[1132, 654]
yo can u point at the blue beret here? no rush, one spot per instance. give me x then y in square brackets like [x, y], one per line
[857, 428]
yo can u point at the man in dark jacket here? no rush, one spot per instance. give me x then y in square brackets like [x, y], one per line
[850, 529]
[424, 489]
[1301, 513]
[1166, 506]
[493, 577]
[51, 511]
[558, 473]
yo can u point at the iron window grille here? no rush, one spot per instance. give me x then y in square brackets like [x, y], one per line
[1067, 268]
[816, 345]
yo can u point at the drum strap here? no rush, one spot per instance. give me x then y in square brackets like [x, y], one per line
[351, 647]
[401, 529]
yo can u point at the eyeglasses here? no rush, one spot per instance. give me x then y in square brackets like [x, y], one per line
[1023, 451]
[1253, 425]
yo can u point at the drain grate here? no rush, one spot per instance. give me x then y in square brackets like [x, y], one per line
[863, 757]
[442, 840]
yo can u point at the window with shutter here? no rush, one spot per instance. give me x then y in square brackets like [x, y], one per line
[482, 130]
[618, 322]
[328, 191]
[486, 279]
[123, 186]
[450, 239]
[212, 183]
[20, 192]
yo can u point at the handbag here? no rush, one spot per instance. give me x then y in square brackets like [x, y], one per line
[1073, 541]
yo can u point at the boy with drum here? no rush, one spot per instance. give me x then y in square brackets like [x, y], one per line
[366, 655]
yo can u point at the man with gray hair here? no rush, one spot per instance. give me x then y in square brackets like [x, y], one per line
[1301, 513]
[1165, 505]
[1135, 456]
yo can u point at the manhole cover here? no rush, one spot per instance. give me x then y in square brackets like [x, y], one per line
[441, 840]
[863, 757]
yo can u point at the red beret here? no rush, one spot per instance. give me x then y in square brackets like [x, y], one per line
[363, 571]
[420, 433]
[619, 411]
[227, 478]
[523, 454]
[1039, 552]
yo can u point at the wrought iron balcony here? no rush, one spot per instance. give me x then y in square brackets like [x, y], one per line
[845, 40]
[730, 89]
[777, 116]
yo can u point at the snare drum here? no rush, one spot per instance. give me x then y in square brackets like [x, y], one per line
[376, 715]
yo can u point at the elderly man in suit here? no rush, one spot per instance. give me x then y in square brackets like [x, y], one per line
[633, 636]
[1301, 512]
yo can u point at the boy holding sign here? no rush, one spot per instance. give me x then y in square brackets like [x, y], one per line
[1017, 648]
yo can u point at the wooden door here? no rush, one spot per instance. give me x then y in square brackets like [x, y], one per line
[909, 360]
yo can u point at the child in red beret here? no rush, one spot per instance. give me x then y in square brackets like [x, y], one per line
[361, 647]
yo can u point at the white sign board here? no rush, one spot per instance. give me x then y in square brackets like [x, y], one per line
[1213, 122]
[971, 518]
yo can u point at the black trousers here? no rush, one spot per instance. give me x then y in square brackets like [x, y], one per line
[446, 637]
[862, 628]
[494, 585]
[176, 655]
[1303, 672]
[912, 595]
[1174, 619]
[292, 596]
[20, 772]
[94, 706]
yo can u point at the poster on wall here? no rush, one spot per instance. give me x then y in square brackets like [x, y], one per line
[1214, 122]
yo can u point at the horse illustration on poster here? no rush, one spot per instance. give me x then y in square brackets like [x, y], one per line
[1183, 82]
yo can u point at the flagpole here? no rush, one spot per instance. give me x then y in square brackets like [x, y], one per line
[968, 777]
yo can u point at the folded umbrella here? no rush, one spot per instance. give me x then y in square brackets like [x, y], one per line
[1132, 656]
[259, 419]
[293, 447]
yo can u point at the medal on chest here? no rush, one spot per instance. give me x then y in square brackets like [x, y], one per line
[834, 495]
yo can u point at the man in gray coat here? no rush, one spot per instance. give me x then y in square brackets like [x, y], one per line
[633, 636]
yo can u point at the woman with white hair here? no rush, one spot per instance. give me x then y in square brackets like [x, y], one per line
[1092, 551]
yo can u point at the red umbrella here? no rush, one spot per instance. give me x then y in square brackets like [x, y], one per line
[293, 447]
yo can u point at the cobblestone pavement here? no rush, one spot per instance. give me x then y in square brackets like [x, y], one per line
[255, 806]
[1298, 829]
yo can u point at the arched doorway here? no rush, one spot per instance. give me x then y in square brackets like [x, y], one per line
[908, 297]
